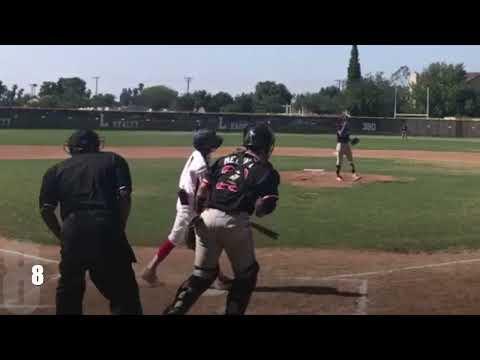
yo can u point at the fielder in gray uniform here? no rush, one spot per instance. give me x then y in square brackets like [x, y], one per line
[239, 185]
[344, 148]
[404, 131]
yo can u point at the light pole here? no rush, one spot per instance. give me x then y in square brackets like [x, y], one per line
[96, 84]
[428, 102]
[188, 79]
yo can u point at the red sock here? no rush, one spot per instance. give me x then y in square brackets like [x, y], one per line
[164, 250]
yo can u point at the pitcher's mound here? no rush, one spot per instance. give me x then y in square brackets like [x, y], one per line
[315, 179]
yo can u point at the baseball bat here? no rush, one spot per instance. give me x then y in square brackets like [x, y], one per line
[266, 231]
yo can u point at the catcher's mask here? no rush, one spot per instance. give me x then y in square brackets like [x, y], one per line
[83, 141]
[206, 140]
[259, 138]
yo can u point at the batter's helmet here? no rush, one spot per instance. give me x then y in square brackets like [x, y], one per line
[82, 141]
[259, 138]
[206, 140]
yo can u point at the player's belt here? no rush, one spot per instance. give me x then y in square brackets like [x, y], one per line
[230, 212]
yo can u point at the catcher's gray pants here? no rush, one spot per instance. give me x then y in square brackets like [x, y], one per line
[221, 231]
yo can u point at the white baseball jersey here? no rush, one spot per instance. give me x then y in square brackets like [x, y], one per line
[194, 170]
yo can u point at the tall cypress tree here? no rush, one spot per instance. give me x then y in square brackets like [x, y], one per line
[354, 72]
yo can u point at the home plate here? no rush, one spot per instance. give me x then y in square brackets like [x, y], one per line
[314, 170]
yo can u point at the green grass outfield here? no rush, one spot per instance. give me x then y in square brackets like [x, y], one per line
[159, 138]
[439, 210]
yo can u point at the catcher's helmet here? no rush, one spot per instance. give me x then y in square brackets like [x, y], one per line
[206, 140]
[259, 138]
[82, 141]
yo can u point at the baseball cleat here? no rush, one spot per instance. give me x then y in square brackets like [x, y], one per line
[339, 178]
[356, 177]
[150, 276]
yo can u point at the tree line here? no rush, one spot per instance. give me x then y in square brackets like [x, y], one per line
[374, 94]
[73, 93]
[369, 95]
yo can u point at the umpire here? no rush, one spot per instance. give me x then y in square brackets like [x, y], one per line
[93, 189]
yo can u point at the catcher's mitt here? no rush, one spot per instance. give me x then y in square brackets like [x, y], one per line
[355, 141]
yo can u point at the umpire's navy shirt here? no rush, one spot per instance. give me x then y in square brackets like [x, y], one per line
[85, 182]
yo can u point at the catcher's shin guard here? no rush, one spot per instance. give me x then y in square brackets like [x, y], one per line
[189, 292]
[241, 291]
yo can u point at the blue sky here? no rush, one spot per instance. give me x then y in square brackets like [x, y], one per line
[230, 68]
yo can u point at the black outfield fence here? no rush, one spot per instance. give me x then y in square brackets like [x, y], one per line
[34, 118]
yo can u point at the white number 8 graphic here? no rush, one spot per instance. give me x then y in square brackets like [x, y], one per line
[37, 275]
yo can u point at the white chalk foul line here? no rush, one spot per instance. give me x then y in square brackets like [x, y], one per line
[18, 253]
[333, 277]
[408, 268]
[17, 306]
[362, 303]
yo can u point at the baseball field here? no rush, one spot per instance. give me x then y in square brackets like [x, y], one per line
[402, 240]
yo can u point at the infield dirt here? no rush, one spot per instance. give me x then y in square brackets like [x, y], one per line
[291, 281]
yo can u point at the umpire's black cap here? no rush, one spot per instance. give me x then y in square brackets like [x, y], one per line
[84, 140]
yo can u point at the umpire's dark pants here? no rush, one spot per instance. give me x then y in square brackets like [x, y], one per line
[92, 241]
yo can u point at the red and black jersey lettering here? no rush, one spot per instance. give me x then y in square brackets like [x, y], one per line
[239, 180]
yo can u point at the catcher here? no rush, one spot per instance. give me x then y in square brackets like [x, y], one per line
[205, 142]
[239, 185]
[343, 147]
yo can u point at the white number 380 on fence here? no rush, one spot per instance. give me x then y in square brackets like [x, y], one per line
[369, 126]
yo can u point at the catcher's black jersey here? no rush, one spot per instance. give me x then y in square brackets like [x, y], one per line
[85, 182]
[238, 180]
